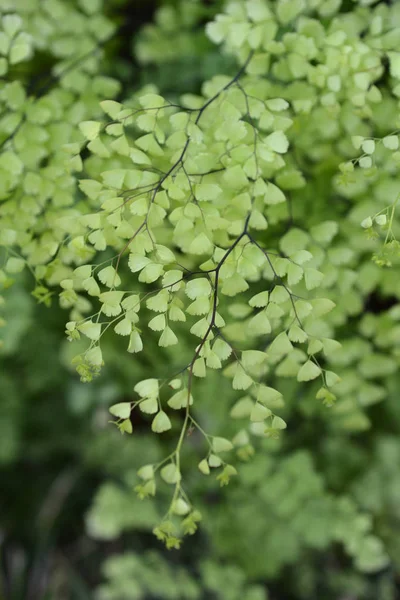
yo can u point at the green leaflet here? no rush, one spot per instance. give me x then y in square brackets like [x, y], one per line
[109, 277]
[121, 410]
[259, 413]
[161, 423]
[308, 371]
[220, 444]
[198, 287]
[170, 473]
[167, 338]
[90, 129]
[90, 329]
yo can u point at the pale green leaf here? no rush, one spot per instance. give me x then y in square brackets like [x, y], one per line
[167, 338]
[214, 461]
[198, 287]
[125, 426]
[135, 342]
[281, 345]
[278, 423]
[180, 507]
[161, 422]
[241, 380]
[124, 327]
[204, 467]
[251, 358]
[259, 300]
[308, 371]
[180, 399]
[146, 472]
[313, 278]
[157, 323]
[391, 142]
[297, 334]
[90, 129]
[269, 396]
[222, 349]
[220, 444]
[111, 108]
[170, 473]
[122, 410]
[259, 413]
[90, 329]
[278, 142]
[260, 324]
[147, 388]
[242, 408]
[149, 406]
[109, 277]
[94, 356]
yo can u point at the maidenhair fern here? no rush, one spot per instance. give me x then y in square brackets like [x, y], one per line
[230, 217]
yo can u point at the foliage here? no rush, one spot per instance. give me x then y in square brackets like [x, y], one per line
[131, 577]
[242, 230]
[182, 66]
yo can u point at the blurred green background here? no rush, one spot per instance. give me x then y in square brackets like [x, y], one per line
[295, 526]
